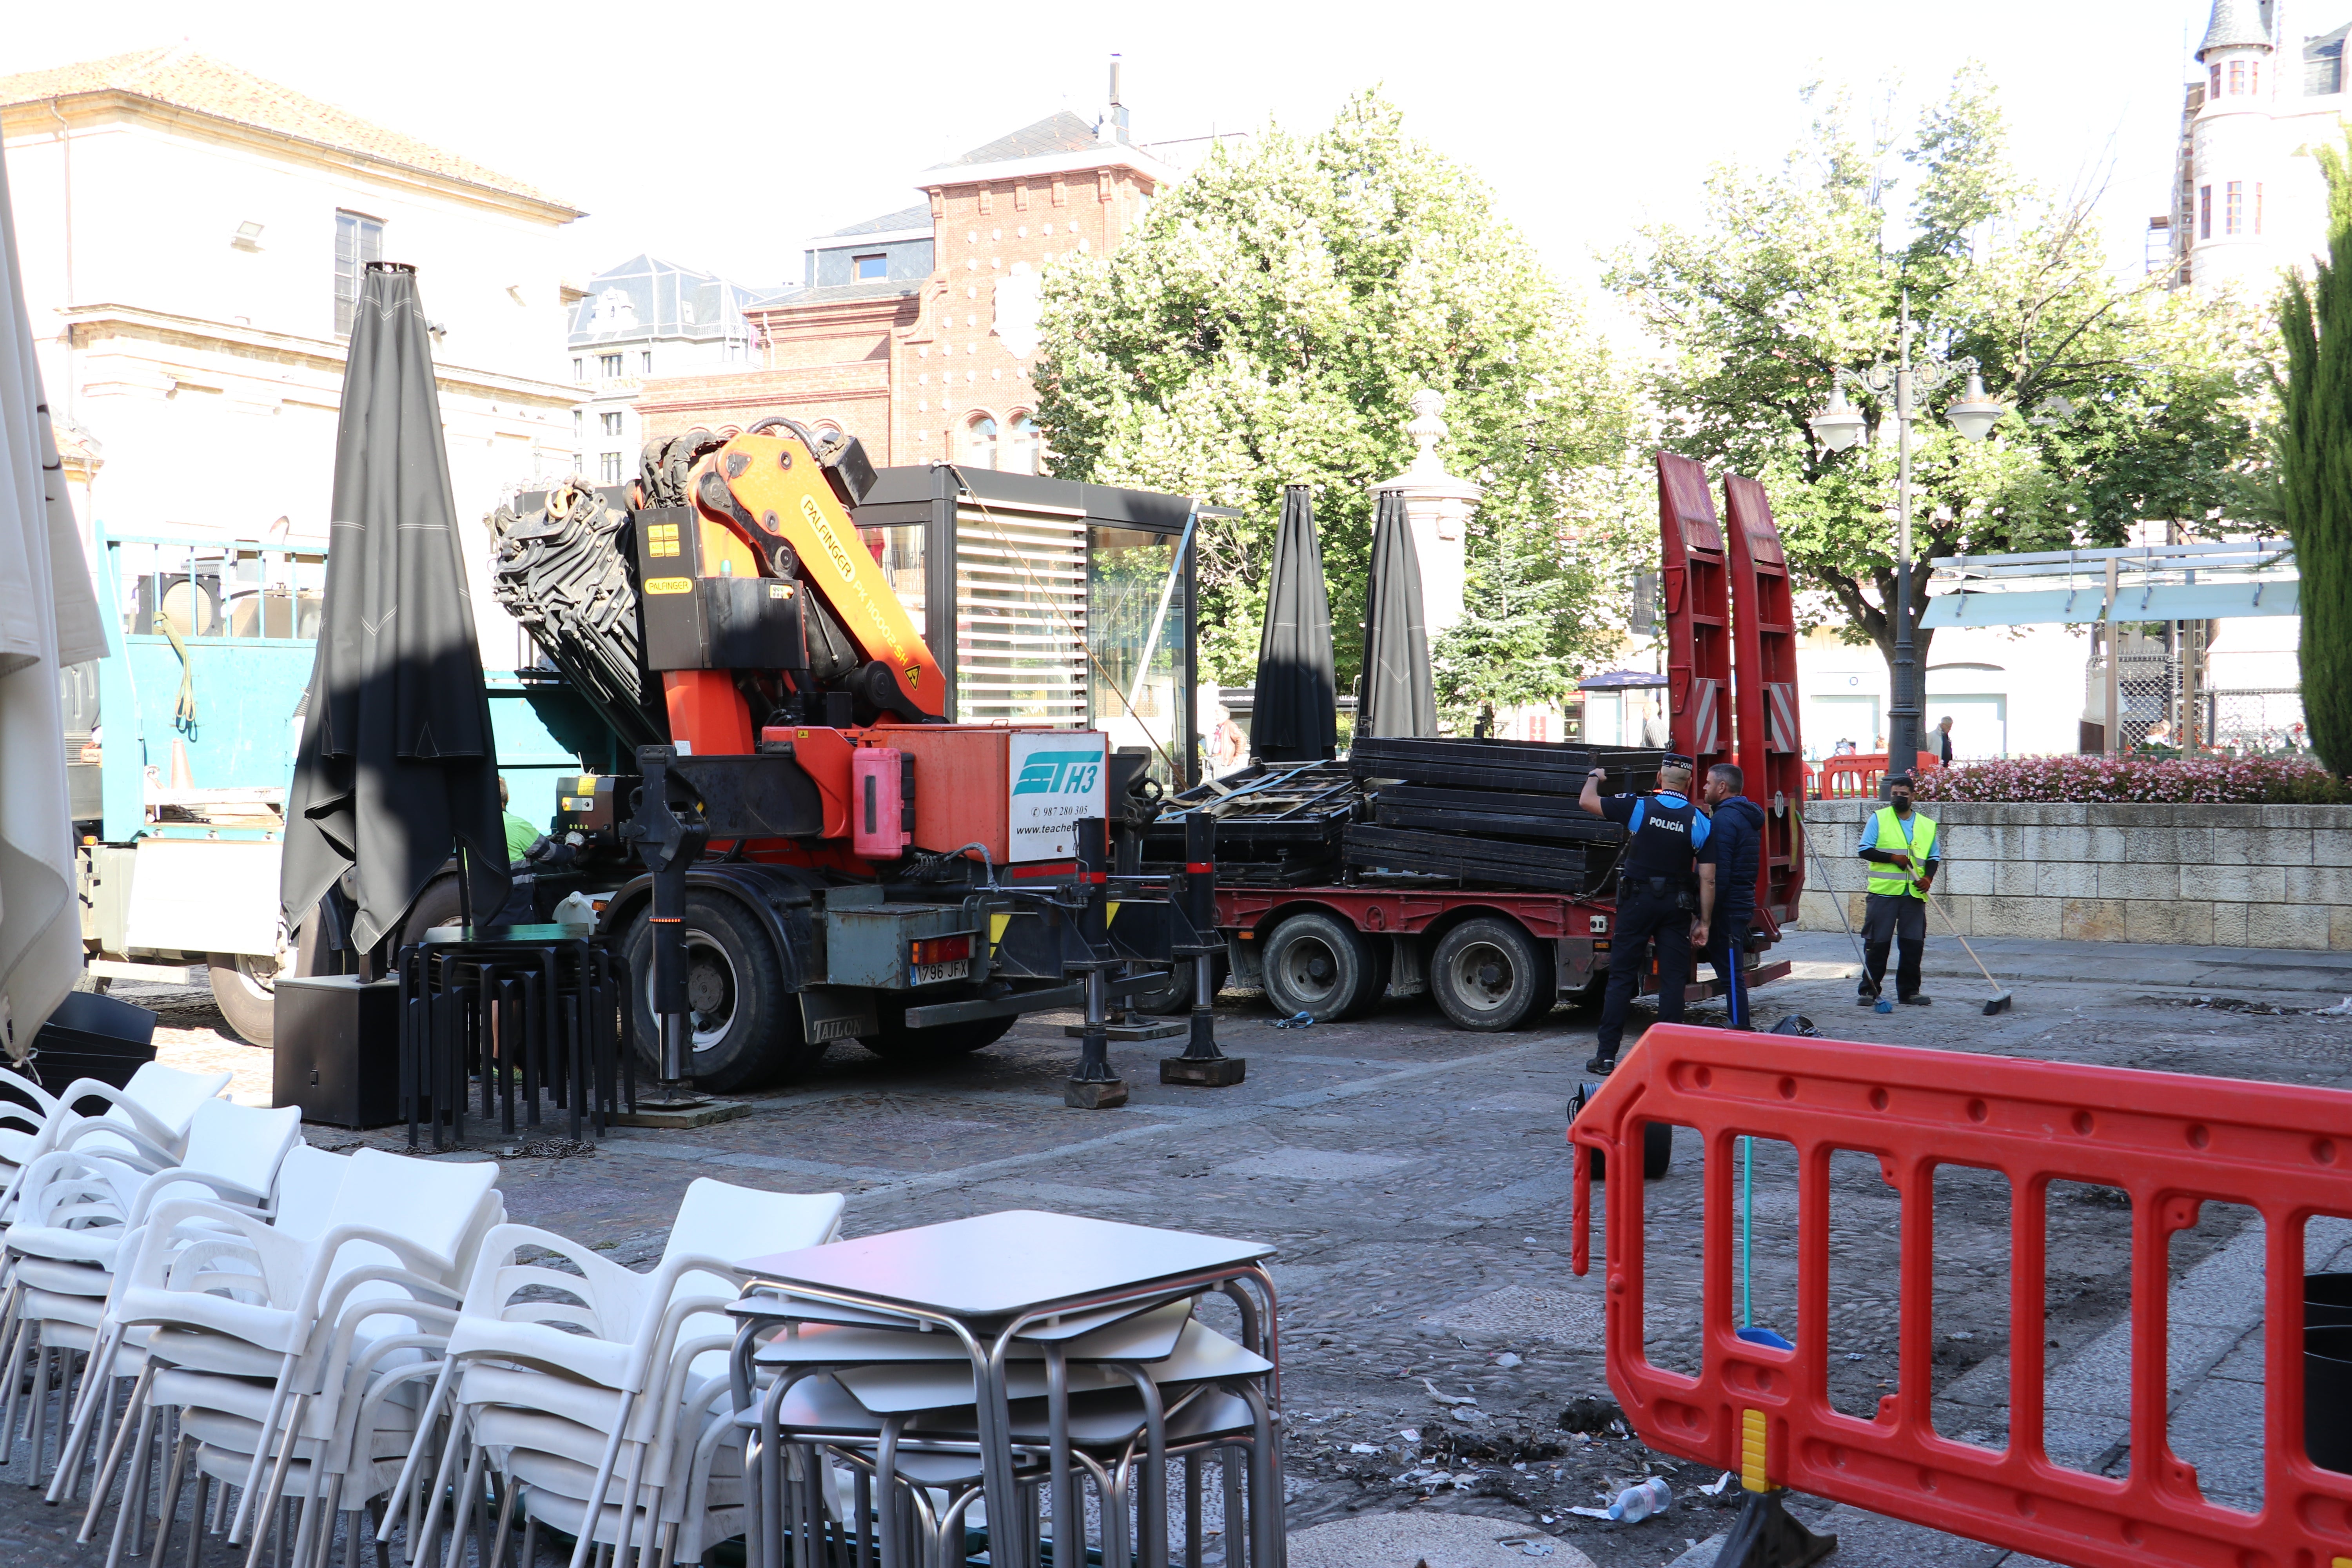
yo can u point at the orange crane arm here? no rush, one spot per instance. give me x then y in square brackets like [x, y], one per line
[773, 490]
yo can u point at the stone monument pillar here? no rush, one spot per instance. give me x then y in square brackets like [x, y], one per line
[1437, 505]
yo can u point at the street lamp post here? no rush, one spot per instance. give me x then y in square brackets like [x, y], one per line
[1838, 426]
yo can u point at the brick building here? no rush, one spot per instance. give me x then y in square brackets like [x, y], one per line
[917, 330]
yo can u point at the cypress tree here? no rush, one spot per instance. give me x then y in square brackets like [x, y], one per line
[2315, 453]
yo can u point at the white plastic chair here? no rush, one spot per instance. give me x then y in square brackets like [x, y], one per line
[149, 1116]
[609, 1368]
[396, 1238]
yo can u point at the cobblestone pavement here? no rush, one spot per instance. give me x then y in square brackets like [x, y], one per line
[1416, 1181]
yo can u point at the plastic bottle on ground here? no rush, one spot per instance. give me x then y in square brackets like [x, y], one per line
[1636, 1503]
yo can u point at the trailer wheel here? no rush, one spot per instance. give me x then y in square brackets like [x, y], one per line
[1320, 965]
[747, 1027]
[1174, 993]
[898, 1043]
[1488, 975]
[244, 987]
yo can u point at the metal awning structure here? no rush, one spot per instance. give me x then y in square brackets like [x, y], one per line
[1622, 680]
[2151, 582]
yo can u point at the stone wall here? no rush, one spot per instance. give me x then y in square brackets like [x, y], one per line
[2225, 876]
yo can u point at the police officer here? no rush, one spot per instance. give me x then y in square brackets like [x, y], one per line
[1735, 848]
[1657, 895]
[1900, 844]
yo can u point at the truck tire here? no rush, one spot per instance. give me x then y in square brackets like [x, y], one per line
[243, 986]
[747, 1025]
[898, 1043]
[1489, 975]
[1174, 994]
[1320, 965]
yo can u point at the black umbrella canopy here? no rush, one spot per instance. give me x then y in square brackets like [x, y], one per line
[1294, 716]
[396, 762]
[1397, 696]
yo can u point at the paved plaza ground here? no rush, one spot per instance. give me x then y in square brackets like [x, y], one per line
[1416, 1182]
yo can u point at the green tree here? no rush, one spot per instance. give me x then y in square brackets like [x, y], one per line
[2315, 467]
[2130, 402]
[1267, 323]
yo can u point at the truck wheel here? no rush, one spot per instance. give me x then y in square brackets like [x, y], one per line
[243, 985]
[1488, 975]
[1318, 965]
[1174, 993]
[898, 1043]
[747, 1027]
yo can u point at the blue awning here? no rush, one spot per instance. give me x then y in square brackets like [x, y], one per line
[2208, 601]
[1621, 680]
[2031, 607]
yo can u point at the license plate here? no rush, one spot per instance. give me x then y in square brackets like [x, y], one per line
[933, 974]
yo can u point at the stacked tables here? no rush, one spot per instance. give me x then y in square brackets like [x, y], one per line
[999, 1356]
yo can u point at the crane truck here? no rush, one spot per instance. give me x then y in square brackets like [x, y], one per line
[809, 850]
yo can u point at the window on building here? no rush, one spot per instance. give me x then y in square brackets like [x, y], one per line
[871, 268]
[579, 368]
[579, 420]
[359, 239]
[1028, 446]
[2204, 212]
[2234, 208]
[2258, 207]
[979, 441]
[647, 359]
[2237, 78]
[608, 365]
[613, 422]
[2213, 79]
[608, 468]
[2254, 78]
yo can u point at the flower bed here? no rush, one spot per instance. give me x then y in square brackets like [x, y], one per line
[2250, 781]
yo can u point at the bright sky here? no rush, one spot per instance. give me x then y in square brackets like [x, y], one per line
[719, 140]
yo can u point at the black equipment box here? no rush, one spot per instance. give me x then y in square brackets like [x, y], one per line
[92, 1036]
[337, 1045]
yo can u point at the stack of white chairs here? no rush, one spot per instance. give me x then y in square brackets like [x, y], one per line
[79, 1206]
[284, 1360]
[599, 1397]
[148, 1116]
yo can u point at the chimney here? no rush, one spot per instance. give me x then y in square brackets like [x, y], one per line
[1113, 126]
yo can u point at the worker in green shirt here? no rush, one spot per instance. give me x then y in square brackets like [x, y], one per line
[520, 834]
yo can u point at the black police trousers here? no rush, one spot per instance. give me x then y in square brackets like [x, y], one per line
[1643, 920]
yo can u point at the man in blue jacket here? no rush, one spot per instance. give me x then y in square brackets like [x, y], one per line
[1735, 848]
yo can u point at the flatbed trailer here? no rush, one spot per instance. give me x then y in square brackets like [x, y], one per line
[1493, 959]
[1498, 949]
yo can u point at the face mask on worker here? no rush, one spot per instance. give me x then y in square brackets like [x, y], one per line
[1899, 797]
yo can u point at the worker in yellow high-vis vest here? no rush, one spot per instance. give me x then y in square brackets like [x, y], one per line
[1901, 846]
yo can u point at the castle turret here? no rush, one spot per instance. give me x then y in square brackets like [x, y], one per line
[2232, 140]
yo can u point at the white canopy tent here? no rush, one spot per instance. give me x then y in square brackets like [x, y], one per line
[48, 619]
[2152, 583]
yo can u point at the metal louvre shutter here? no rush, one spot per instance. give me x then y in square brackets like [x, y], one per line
[1021, 616]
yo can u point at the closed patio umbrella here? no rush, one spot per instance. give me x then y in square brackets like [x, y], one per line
[1398, 698]
[1294, 716]
[396, 762]
[48, 619]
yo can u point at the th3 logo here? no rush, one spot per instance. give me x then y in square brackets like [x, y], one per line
[1058, 772]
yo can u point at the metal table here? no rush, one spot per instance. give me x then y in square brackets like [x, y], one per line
[1018, 1286]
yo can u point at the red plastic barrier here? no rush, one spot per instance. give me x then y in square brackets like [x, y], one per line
[1856, 775]
[2172, 1142]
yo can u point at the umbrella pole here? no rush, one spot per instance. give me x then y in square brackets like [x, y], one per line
[465, 889]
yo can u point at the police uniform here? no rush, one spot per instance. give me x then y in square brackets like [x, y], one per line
[1896, 913]
[1656, 900]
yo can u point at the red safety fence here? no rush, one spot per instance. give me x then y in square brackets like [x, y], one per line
[1855, 776]
[2172, 1142]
